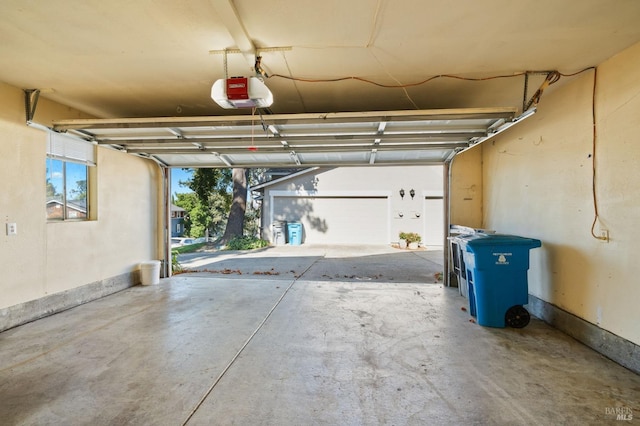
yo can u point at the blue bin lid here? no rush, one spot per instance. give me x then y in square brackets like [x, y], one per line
[502, 239]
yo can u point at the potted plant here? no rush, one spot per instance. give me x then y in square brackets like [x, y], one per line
[402, 242]
[413, 239]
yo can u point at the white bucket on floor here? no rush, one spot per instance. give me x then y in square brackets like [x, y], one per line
[150, 272]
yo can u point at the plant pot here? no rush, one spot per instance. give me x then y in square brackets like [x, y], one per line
[413, 246]
[402, 244]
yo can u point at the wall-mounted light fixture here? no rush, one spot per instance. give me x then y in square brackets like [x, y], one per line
[402, 194]
[412, 193]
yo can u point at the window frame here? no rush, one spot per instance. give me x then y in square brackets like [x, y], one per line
[63, 152]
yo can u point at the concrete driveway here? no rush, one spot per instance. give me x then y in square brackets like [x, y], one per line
[321, 263]
[332, 336]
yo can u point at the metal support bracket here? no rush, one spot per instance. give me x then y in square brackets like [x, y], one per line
[552, 77]
[30, 103]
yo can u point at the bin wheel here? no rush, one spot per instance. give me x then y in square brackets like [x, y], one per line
[517, 317]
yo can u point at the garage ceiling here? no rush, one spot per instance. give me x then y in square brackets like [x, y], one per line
[148, 58]
[159, 58]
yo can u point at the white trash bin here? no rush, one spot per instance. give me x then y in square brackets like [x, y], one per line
[150, 272]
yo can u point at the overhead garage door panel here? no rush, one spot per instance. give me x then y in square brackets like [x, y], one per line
[337, 220]
[298, 140]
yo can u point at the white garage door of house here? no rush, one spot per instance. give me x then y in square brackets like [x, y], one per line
[337, 219]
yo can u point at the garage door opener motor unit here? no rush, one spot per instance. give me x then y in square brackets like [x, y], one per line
[241, 92]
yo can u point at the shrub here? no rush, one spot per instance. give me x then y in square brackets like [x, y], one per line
[412, 237]
[176, 267]
[246, 243]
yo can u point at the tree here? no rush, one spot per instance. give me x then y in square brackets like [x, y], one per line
[52, 194]
[205, 217]
[205, 182]
[212, 190]
[80, 192]
[209, 203]
[235, 223]
[52, 191]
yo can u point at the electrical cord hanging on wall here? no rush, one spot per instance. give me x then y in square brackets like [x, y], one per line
[594, 139]
[596, 216]
[552, 77]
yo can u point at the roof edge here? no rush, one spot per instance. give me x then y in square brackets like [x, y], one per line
[283, 178]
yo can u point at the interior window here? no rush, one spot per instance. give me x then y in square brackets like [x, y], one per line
[67, 180]
[66, 190]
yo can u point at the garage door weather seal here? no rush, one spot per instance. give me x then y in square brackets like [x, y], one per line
[233, 360]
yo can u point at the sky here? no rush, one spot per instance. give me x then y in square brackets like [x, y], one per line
[177, 175]
[74, 173]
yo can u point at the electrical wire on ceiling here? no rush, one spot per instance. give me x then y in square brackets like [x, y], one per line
[551, 78]
[404, 89]
[555, 74]
[258, 68]
[395, 86]
[374, 25]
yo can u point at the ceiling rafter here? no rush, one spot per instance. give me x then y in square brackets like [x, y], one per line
[231, 19]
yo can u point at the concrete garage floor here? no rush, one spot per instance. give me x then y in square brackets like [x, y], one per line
[301, 336]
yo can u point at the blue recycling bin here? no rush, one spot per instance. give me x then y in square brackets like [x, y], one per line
[295, 233]
[497, 266]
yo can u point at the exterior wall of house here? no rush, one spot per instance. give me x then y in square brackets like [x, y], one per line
[49, 258]
[177, 221]
[177, 226]
[367, 198]
[538, 183]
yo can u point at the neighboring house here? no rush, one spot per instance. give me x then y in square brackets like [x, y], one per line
[178, 215]
[357, 205]
[75, 210]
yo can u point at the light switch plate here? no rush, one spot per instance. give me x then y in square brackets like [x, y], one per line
[12, 229]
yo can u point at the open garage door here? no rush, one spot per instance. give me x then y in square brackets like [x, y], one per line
[412, 137]
[298, 140]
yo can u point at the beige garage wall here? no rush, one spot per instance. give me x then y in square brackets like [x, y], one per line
[538, 183]
[46, 258]
[466, 189]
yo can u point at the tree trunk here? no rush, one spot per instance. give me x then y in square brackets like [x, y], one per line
[238, 205]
